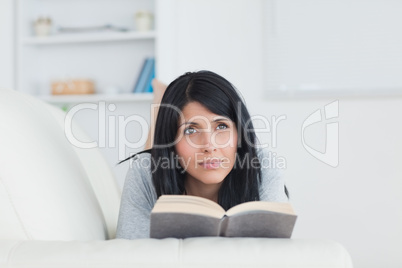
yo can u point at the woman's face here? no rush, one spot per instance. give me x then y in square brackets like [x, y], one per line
[207, 144]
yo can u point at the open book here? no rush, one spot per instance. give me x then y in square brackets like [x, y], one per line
[182, 216]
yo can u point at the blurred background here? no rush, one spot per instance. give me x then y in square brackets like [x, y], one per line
[329, 73]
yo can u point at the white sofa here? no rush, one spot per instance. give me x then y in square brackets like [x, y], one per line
[59, 206]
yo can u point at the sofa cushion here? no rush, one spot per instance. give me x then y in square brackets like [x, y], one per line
[197, 252]
[44, 190]
[98, 171]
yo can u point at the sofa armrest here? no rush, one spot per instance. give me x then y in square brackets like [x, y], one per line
[195, 252]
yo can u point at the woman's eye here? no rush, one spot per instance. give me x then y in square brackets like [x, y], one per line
[222, 126]
[189, 131]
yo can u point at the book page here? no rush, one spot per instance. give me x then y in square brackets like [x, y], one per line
[261, 206]
[188, 205]
[191, 199]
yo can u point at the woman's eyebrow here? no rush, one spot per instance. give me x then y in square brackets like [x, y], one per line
[213, 121]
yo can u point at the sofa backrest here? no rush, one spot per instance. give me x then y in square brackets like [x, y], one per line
[98, 172]
[50, 190]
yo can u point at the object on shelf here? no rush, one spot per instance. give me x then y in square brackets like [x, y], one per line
[42, 26]
[144, 79]
[102, 28]
[143, 20]
[148, 88]
[69, 87]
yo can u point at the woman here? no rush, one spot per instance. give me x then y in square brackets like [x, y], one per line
[204, 145]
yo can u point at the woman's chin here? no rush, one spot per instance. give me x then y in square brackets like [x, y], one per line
[210, 179]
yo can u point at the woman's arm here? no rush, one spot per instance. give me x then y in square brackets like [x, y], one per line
[137, 201]
[272, 187]
[159, 89]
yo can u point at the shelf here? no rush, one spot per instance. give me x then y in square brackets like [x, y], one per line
[65, 99]
[88, 38]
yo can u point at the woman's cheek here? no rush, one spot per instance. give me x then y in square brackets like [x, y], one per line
[227, 163]
[226, 139]
[184, 152]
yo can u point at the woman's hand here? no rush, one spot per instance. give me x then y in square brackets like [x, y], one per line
[159, 89]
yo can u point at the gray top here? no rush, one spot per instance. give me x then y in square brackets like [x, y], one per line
[139, 196]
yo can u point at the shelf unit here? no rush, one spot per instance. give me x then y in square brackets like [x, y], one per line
[71, 99]
[111, 59]
[88, 38]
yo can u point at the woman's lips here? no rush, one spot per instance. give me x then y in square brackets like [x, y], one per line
[211, 164]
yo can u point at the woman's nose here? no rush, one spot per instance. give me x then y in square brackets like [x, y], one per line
[209, 149]
[208, 144]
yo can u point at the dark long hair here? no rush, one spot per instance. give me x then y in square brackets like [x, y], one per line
[220, 97]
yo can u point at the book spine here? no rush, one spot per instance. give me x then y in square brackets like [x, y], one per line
[147, 74]
[223, 226]
[140, 85]
[149, 88]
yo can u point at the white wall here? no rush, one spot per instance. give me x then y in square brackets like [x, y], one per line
[338, 45]
[6, 44]
[359, 202]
